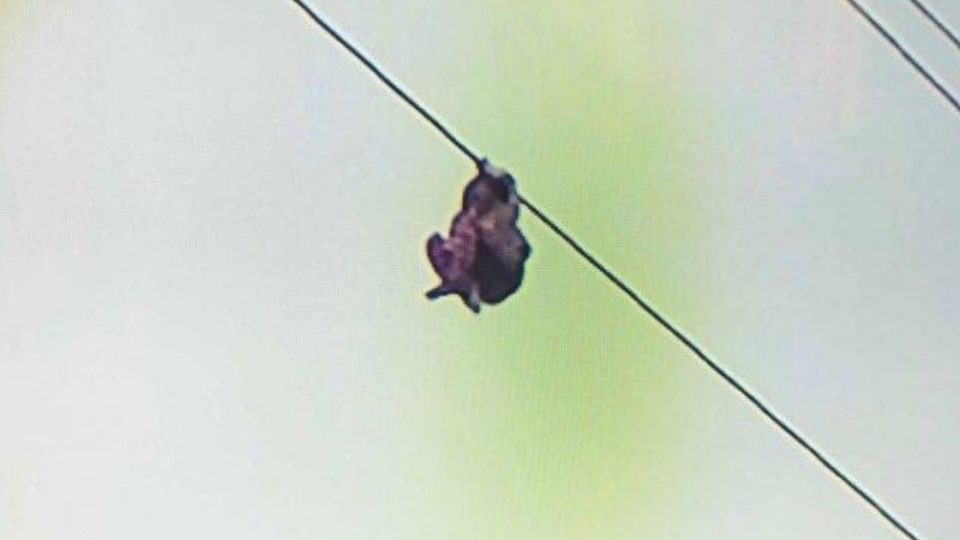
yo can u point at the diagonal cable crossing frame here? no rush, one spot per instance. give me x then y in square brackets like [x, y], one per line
[725, 375]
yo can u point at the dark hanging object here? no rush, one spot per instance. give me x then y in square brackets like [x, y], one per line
[482, 259]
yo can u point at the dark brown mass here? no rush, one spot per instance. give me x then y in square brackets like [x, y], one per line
[482, 259]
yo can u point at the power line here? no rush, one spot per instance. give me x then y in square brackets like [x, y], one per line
[907, 55]
[936, 21]
[385, 79]
[551, 224]
[728, 377]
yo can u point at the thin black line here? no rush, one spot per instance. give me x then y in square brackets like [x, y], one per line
[933, 18]
[717, 369]
[923, 71]
[385, 79]
[636, 298]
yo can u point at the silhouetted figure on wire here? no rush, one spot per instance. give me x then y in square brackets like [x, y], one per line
[482, 259]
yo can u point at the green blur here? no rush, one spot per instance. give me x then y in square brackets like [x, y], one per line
[562, 421]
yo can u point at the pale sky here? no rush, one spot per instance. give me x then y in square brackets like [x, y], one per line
[211, 312]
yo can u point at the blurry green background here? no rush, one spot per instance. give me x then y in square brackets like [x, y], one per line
[212, 320]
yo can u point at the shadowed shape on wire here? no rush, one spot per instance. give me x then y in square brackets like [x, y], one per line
[482, 259]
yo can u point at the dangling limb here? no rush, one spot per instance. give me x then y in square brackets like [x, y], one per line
[472, 300]
[437, 292]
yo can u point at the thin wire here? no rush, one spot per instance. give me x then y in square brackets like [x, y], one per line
[933, 18]
[923, 71]
[387, 80]
[750, 396]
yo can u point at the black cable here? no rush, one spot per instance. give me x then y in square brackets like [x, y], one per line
[923, 71]
[633, 295]
[936, 21]
[772, 415]
[385, 79]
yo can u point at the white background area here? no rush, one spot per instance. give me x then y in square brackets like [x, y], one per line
[211, 313]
